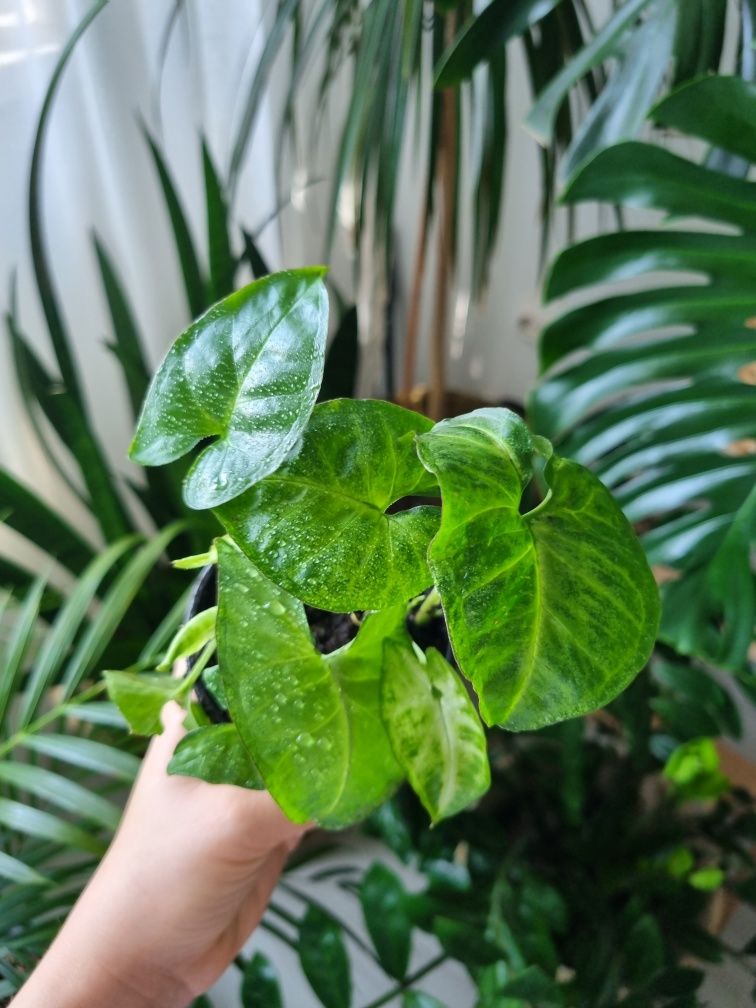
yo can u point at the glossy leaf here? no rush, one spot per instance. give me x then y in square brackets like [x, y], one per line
[311, 723]
[385, 909]
[622, 106]
[542, 117]
[260, 988]
[486, 32]
[434, 730]
[324, 959]
[190, 638]
[667, 420]
[319, 526]
[140, 697]
[215, 754]
[551, 614]
[245, 374]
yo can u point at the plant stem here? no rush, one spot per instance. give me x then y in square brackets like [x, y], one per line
[447, 169]
[413, 320]
[408, 981]
[427, 610]
[52, 715]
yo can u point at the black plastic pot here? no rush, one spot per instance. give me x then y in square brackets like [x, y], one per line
[329, 630]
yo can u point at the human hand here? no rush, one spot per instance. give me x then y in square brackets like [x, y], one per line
[186, 879]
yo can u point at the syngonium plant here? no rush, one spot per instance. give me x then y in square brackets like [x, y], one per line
[362, 507]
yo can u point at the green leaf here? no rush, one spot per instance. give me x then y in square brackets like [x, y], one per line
[319, 526]
[552, 613]
[725, 113]
[706, 879]
[215, 754]
[68, 623]
[222, 259]
[384, 906]
[55, 789]
[128, 345]
[434, 730]
[194, 284]
[643, 951]
[86, 753]
[114, 607]
[16, 871]
[29, 515]
[245, 374]
[36, 823]
[190, 638]
[101, 486]
[324, 959]
[543, 116]
[16, 651]
[693, 769]
[140, 697]
[260, 988]
[622, 106]
[311, 723]
[485, 33]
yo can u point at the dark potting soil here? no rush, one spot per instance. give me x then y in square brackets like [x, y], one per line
[330, 631]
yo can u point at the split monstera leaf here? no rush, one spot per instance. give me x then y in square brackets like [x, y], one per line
[362, 507]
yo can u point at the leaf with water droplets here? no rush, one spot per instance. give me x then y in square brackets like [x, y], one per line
[215, 753]
[245, 374]
[320, 526]
[550, 613]
[311, 723]
[434, 730]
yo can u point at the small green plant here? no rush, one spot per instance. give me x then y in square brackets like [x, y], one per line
[468, 534]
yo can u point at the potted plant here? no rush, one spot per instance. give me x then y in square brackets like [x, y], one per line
[548, 603]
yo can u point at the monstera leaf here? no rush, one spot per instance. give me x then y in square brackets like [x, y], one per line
[550, 613]
[666, 416]
[245, 374]
[319, 526]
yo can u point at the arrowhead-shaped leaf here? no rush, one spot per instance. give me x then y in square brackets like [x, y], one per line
[434, 729]
[311, 723]
[551, 613]
[245, 374]
[215, 753]
[318, 526]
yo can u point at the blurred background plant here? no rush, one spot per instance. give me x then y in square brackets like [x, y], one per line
[377, 113]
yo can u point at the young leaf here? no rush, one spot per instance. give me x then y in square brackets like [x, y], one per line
[246, 374]
[434, 730]
[311, 723]
[318, 526]
[384, 905]
[551, 614]
[140, 698]
[324, 958]
[260, 988]
[190, 638]
[215, 754]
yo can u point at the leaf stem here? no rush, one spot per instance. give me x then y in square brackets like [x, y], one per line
[408, 981]
[427, 610]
